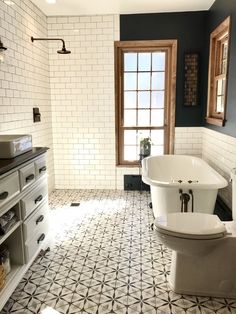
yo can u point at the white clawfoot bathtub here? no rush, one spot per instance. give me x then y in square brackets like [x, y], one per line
[173, 176]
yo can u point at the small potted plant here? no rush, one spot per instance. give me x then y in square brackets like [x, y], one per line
[145, 146]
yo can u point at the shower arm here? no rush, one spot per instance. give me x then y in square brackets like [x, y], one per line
[63, 42]
[62, 51]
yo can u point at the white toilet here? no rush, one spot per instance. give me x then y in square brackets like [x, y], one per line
[204, 251]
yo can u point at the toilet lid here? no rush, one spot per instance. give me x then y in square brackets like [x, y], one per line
[191, 225]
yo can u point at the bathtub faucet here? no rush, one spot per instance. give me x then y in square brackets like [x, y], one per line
[184, 198]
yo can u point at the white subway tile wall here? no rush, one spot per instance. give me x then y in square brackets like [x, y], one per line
[24, 78]
[82, 96]
[188, 141]
[219, 150]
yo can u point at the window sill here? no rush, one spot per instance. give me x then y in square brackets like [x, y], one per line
[215, 121]
[128, 165]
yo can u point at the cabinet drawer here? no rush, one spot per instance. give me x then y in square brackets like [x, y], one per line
[9, 187]
[37, 242]
[34, 199]
[27, 176]
[40, 166]
[34, 222]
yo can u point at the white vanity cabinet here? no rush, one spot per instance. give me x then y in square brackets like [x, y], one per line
[24, 191]
[34, 198]
[9, 187]
[27, 175]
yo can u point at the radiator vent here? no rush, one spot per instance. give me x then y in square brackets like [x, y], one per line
[134, 183]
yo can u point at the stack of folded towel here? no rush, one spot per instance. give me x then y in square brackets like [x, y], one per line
[7, 221]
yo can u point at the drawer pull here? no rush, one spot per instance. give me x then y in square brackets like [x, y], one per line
[41, 238]
[41, 218]
[4, 195]
[44, 168]
[38, 199]
[29, 178]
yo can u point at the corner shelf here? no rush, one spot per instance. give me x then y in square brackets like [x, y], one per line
[16, 273]
[13, 228]
[14, 270]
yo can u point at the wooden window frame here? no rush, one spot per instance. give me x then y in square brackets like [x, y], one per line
[169, 117]
[218, 37]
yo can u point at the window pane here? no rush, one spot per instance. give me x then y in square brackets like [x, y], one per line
[129, 117]
[130, 99]
[144, 81]
[144, 100]
[157, 137]
[225, 50]
[142, 134]
[130, 153]
[130, 61]
[130, 81]
[219, 88]
[130, 137]
[223, 87]
[158, 99]
[143, 117]
[219, 104]
[157, 117]
[144, 61]
[223, 66]
[157, 150]
[158, 80]
[158, 61]
[224, 57]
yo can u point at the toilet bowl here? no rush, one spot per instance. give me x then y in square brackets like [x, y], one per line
[203, 252]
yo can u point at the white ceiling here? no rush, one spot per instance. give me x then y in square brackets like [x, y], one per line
[92, 7]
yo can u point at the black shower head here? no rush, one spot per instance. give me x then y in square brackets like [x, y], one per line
[62, 51]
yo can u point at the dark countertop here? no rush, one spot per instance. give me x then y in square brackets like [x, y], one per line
[8, 164]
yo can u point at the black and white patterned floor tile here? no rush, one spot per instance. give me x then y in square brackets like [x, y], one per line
[106, 259]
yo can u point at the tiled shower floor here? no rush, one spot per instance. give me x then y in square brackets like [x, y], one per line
[106, 260]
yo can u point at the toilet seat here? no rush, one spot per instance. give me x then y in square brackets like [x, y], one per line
[191, 226]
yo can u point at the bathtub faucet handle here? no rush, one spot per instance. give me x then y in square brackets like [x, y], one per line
[192, 181]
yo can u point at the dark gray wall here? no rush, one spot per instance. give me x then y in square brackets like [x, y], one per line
[218, 12]
[189, 28]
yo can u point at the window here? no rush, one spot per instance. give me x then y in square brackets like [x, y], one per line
[145, 97]
[218, 68]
